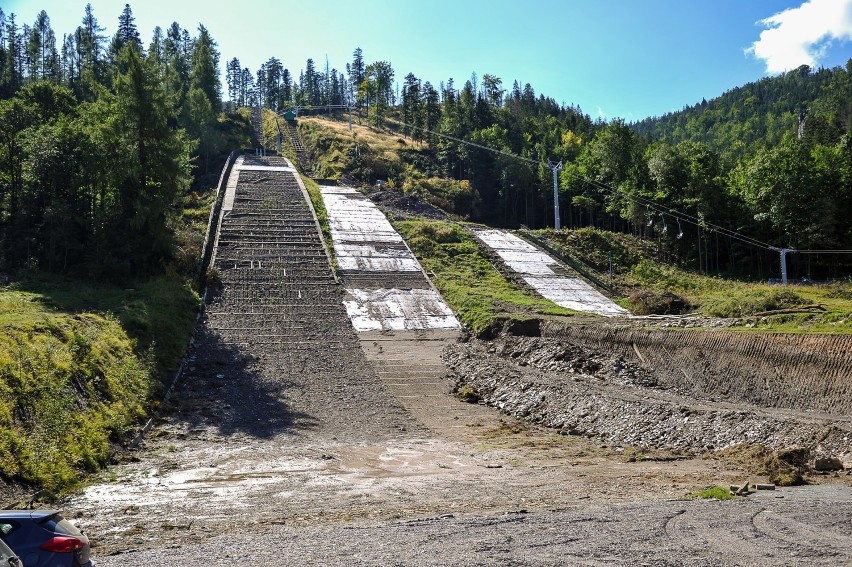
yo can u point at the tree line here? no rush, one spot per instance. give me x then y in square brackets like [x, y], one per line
[99, 140]
[771, 159]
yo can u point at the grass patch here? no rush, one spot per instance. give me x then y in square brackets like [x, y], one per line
[713, 492]
[318, 203]
[478, 293]
[79, 366]
[652, 283]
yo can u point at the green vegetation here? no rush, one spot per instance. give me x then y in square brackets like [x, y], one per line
[319, 207]
[651, 282]
[468, 394]
[108, 152]
[80, 365]
[479, 294]
[713, 492]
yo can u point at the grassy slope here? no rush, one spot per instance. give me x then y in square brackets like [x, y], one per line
[474, 289]
[80, 365]
[331, 140]
[637, 266]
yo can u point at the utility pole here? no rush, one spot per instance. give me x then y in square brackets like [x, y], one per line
[783, 252]
[555, 167]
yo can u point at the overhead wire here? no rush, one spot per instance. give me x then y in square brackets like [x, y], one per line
[662, 209]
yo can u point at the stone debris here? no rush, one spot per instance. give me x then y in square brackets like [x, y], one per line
[578, 391]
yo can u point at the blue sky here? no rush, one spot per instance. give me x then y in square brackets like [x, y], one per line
[614, 58]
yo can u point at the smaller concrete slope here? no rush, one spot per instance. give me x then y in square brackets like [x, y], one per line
[387, 288]
[546, 275]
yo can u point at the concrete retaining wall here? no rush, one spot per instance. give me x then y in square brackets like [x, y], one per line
[800, 372]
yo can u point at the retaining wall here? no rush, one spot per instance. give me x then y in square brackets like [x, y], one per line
[800, 372]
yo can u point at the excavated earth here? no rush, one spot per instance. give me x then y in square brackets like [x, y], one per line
[604, 394]
[290, 440]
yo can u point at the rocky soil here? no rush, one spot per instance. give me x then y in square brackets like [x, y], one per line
[579, 391]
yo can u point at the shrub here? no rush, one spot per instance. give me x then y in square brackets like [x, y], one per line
[643, 302]
[749, 302]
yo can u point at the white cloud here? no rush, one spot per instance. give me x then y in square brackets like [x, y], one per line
[801, 36]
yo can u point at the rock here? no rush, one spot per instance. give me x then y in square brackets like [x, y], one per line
[764, 486]
[827, 464]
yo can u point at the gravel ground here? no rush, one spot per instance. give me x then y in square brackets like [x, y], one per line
[805, 526]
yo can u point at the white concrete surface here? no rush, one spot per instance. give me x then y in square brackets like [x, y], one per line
[267, 168]
[231, 186]
[365, 242]
[547, 276]
[398, 310]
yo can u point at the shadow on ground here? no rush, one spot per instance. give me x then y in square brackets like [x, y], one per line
[226, 387]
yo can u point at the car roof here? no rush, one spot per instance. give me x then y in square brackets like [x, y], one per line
[27, 514]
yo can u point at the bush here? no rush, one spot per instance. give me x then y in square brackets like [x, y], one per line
[750, 302]
[643, 302]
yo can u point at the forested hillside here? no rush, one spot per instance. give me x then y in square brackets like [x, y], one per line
[100, 140]
[745, 119]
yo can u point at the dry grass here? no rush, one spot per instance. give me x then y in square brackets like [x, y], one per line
[384, 143]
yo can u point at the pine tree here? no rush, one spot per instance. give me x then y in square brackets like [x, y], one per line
[431, 112]
[127, 31]
[89, 44]
[205, 68]
[234, 76]
[13, 62]
[286, 88]
[357, 74]
[151, 163]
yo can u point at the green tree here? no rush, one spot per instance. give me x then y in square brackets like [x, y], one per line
[205, 68]
[379, 84]
[148, 165]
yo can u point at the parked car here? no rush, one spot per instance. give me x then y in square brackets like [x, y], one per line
[43, 538]
[8, 557]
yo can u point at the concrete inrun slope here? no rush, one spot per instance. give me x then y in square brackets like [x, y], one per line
[387, 287]
[547, 276]
[402, 321]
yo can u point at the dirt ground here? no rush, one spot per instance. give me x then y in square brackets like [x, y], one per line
[324, 485]
[290, 440]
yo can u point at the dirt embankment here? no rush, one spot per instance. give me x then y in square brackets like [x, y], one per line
[687, 390]
[800, 372]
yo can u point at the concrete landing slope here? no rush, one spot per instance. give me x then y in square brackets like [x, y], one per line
[546, 275]
[386, 286]
[402, 322]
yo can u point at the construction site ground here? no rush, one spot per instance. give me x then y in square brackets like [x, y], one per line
[292, 440]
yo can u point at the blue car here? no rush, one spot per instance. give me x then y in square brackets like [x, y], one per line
[43, 538]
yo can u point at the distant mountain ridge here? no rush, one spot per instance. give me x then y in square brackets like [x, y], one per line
[760, 113]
